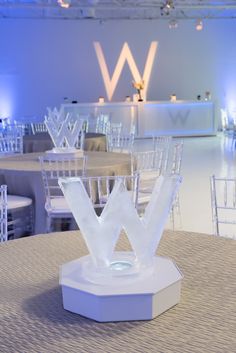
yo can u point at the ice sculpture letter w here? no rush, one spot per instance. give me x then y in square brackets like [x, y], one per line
[110, 285]
[101, 233]
[64, 130]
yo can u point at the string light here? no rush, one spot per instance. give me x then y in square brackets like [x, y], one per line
[199, 25]
[167, 7]
[173, 24]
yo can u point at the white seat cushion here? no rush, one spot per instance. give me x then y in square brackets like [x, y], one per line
[149, 174]
[15, 201]
[143, 198]
[58, 205]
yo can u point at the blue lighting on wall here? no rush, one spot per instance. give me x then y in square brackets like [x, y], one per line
[230, 100]
[7, 89]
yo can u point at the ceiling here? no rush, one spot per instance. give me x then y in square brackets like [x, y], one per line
[118, 9]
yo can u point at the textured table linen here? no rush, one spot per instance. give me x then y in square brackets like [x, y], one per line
[22, 175]
[42, 142]
[33, 320]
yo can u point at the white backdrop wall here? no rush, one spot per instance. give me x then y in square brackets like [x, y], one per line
[43, 61]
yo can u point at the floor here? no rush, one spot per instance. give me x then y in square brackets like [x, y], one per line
[202, 157]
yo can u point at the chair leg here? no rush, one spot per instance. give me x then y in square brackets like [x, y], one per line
[175, 215]
[20, 222]
[30, 226]
[49, 224]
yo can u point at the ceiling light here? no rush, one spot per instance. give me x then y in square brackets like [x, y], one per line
[169, 4]
[199, 25]
[64, 3]
[173, 24]
[166, 7]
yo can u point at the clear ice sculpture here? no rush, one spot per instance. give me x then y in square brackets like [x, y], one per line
[101, 233]
[110, 285]
[64, 130]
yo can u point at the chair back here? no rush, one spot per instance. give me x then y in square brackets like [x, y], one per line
[26, 128]
[38, 127]
[118, 142]
[149, 161]
[223, 203]
[54, 168]
[99, 188]
[226, 125]
[3, 216]
[11, 139]
[161, 141]
[115, 128]
[11, 145]
[102, 123]
[176, 157]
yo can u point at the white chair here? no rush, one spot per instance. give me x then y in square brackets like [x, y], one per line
[3, 211]
[225, 122]
[26, 128]
[150, 165]
[233, 133]
[115, 128]
[11, 140]
[38, 127]
[223, 204]
[20, 216]
[16, 216]
[174, 167]
[175, 157]
[118, 142]
[100, 187]
[163, 142]
[102, 123]
[53, 169]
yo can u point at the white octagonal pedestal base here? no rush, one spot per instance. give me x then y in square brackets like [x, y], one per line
[136, 297]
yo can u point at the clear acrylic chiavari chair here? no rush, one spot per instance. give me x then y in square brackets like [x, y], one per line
[3, 213]
[100, 187]
[11, 140]
[174, 167]
[150, 165]
[223, 205]
[52, 169]
[16, 215]
[38, 127]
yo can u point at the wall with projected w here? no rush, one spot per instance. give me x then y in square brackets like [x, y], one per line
[44, 62]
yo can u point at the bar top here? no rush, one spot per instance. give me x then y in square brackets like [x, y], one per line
[178, 101]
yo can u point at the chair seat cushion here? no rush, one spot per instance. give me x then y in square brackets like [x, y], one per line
[143, 198]
[58, 205]
[9, 154]
[149, 175]
[15, 201]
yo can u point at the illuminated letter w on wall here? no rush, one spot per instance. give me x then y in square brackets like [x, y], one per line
[111, 83]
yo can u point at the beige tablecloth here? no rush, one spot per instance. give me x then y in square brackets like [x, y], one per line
[22, 175]
[42, 142]
[33, 320]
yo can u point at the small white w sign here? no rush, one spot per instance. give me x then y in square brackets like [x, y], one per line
[125, 55]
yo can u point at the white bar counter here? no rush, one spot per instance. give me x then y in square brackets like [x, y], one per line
[180, 118]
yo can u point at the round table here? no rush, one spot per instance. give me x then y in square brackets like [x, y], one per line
[22, 174]
[33, 319]
[42, 142]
